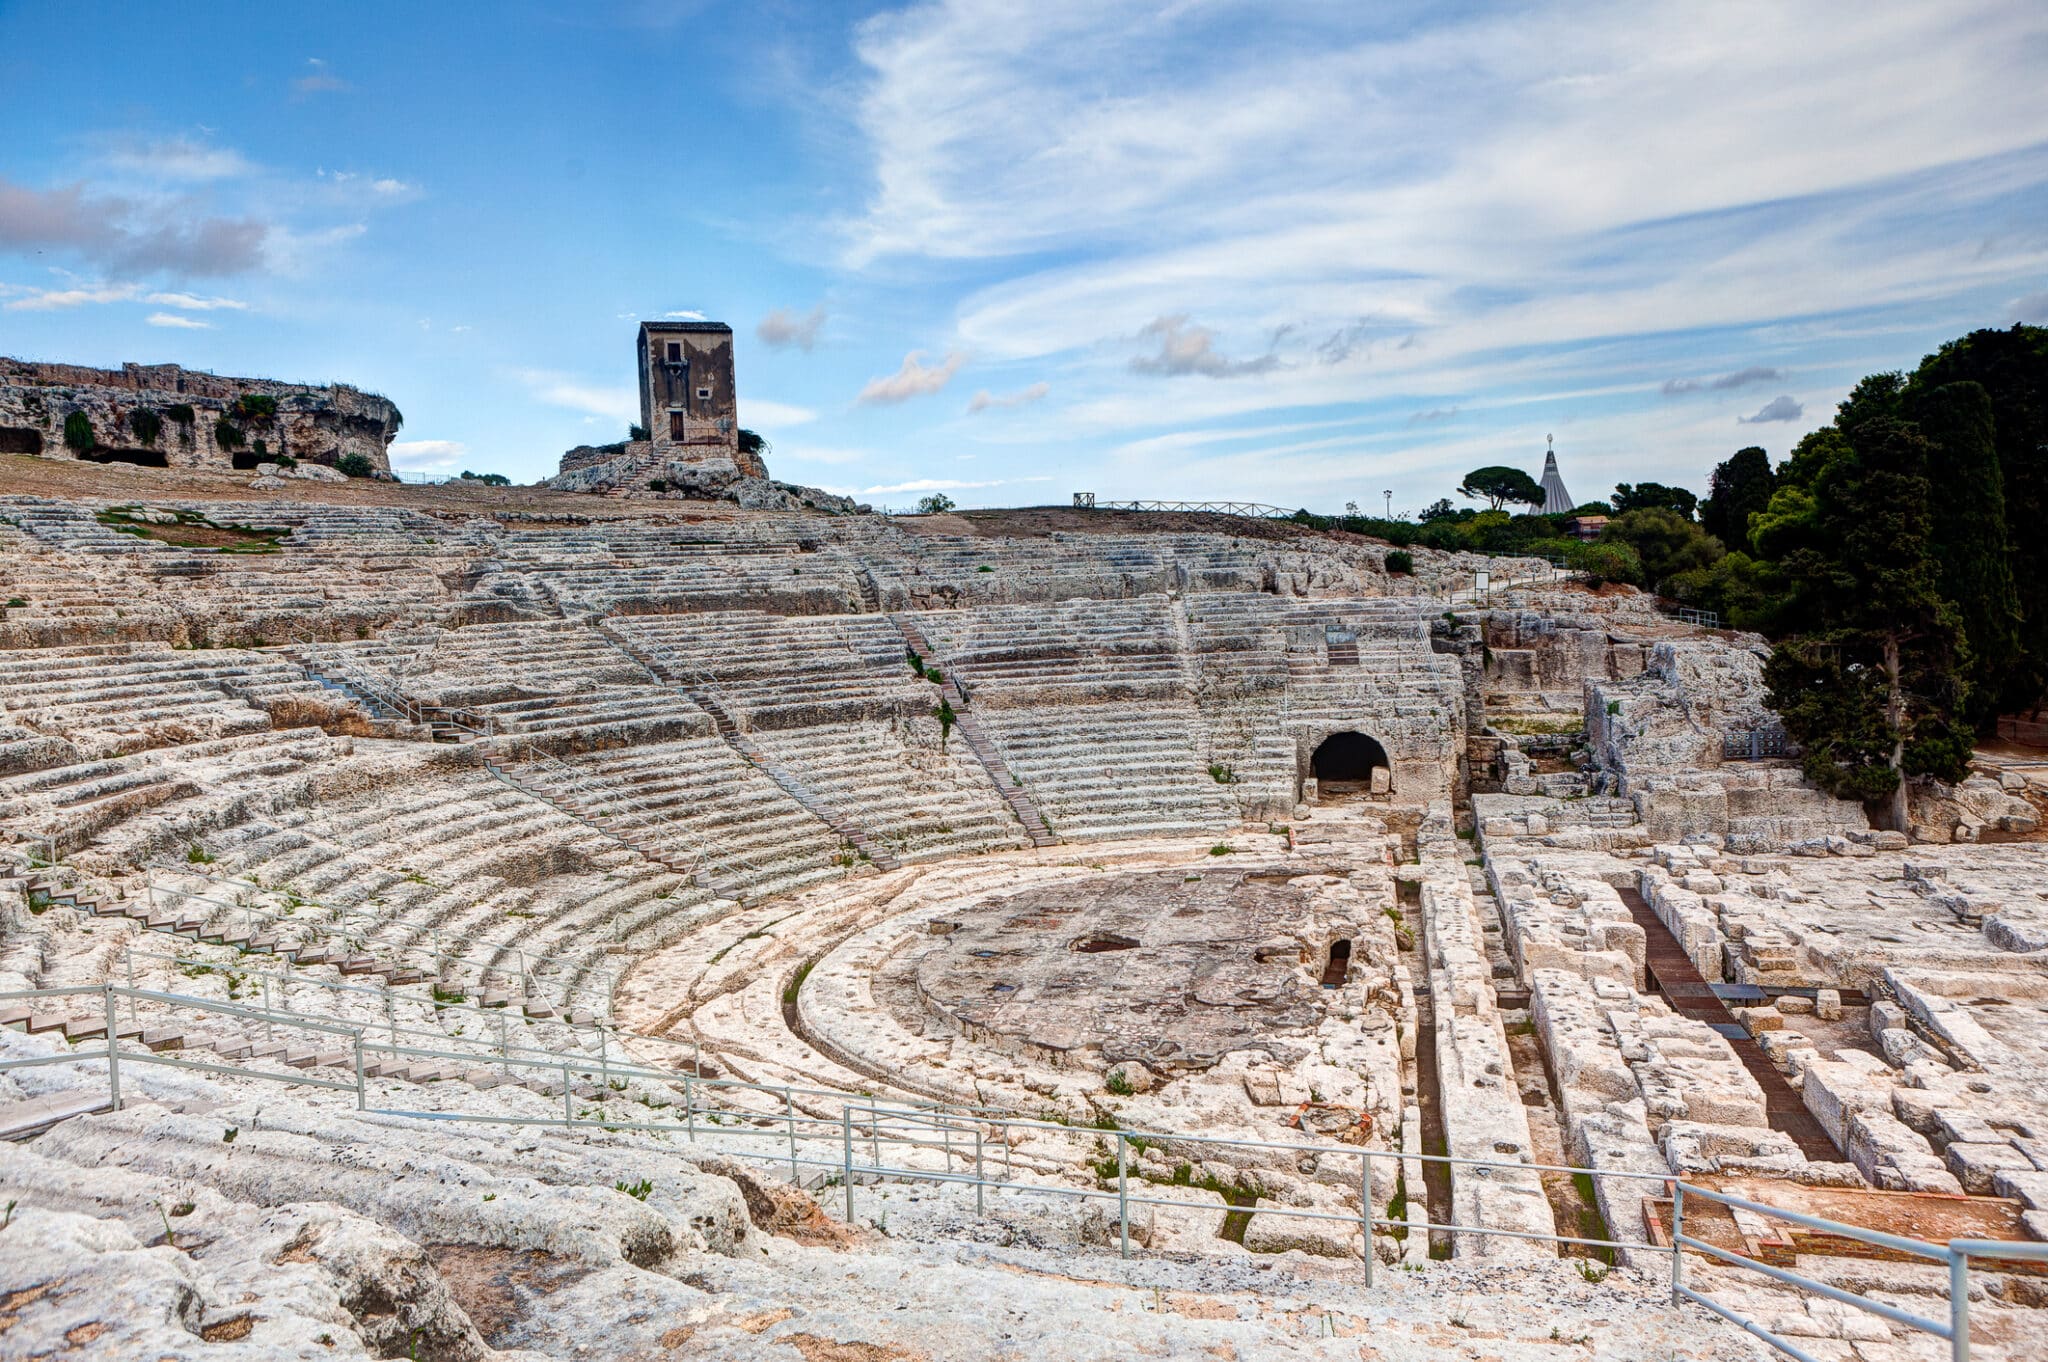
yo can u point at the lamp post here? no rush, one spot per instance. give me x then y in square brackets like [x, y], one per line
[1389, 495]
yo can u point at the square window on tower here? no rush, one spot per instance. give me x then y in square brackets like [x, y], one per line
[703, 394]
[675, 352]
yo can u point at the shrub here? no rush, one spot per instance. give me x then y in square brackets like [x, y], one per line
[261, 449]
[1117, 1083]
[227, 434]
[146, 424]
[78, 436]
[285, 461]
[255, 407]
[1401, 563]
[632, 433]
[1221, 849]
[947, 718]
[1222, 774]
[198, 855]
[636, 1190]
[354, 466]
[657, 485]
[487, 479]
[182, 413]
[938, 503]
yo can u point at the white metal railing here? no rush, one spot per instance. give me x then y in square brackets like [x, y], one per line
[958, 1139]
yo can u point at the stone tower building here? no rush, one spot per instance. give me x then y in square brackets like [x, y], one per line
[688, 405]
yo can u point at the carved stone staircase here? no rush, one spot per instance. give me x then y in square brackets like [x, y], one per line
[977, 739]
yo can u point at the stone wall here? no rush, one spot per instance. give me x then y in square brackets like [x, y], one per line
[309, 423]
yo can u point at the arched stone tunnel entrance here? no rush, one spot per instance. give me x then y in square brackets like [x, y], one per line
[1346, 763]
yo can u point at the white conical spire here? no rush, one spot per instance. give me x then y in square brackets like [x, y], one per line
[1556, 501]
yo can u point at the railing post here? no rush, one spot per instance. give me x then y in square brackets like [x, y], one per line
[1365, 1207]
[360, 1102]
[846, 1155]
[789, 1114]
[1677, 1228]
[113, 1050]
[690, 1105]
[568, 1097]
[1958, 1306]
[1123, 1201]
[978, 1209]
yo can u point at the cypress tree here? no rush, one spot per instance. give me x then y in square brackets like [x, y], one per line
[1970, 542]
[1874, 687]
[1741, 485]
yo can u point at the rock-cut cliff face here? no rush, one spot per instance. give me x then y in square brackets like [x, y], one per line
[166, 416]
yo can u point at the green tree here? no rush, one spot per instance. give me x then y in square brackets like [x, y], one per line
[938, 503]
[1970, 542]
[2012, 366]
[1873, 686]
[1498, 485]
[1664, 541]
[355, 466]
[1604, 562]
[1647, 496]
[1739, 487]
[750, 443]
[1875, 398]
[1440, 509]
[78, 436]
[947, 718]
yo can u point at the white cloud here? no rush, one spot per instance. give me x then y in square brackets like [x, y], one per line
[984, 400]
[1783, 408]
[2032, 309]
[172, 319]
[428, 456]
[318, 80]
[1185, 348]
[597, 400]
[178, 159]
[50, 300]
[686, 315]
[1407, 214]
[192, 302]
[942, 485]
[783, 327]
[759, 411]
[914, 379]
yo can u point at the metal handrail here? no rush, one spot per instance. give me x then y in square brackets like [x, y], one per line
[874, 1119]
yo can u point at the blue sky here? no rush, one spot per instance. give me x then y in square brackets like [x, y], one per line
[1298, 253]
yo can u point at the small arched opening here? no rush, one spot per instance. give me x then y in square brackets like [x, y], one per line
[1338, 966]
[1345, 763]
[20, 440]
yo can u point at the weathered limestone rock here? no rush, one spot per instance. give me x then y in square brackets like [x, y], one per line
[315, 425]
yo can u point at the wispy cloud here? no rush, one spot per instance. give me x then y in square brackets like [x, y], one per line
[127, 237]
[175, 158]
[783, 328]
[914, 379]
[688, 314]
[2032, 309]
[1777, 409]
[1185, 348]
[318, 80]
[428, 456]
[943, 485]
[984, 400]
[173, 319]
[1741, 378]
[618, 403]
[759, 411]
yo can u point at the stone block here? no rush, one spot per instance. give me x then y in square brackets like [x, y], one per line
[1827, 1004]
[1977, 1166]
[1269, 1233]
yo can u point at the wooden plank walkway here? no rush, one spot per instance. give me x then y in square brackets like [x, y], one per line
[1673, 974]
